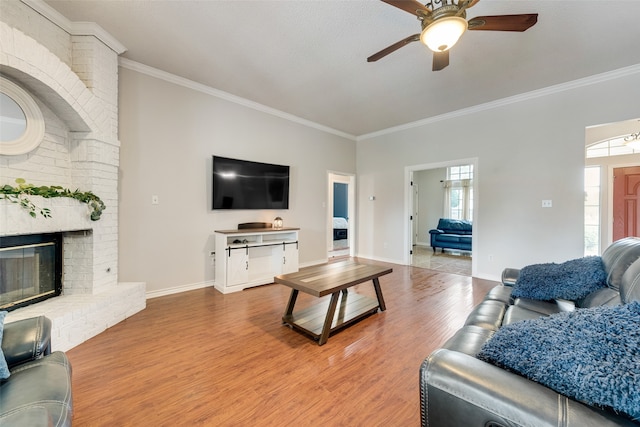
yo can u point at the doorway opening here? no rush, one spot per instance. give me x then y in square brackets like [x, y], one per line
[612, 185]
[341, 215]
[427, 199]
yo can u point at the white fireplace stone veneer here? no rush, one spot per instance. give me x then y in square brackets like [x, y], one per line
[71, 71]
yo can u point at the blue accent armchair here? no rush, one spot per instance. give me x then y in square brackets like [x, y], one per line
[451, 234]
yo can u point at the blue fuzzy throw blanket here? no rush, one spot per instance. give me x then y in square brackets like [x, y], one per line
[590, 355]
[570, 280]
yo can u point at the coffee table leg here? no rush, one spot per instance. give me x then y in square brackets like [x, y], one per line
[331, 311]
[292, 302]
[376, 286]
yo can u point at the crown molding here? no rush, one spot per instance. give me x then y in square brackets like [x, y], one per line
[76, 28]
[562, 87]
[181, 81]
[92, 29]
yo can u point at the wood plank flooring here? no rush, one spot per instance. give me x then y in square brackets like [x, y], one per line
[201, 358]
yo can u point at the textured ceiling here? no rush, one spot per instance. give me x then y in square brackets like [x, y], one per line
[308, 57]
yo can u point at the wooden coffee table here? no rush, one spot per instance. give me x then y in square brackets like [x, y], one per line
[320, 320]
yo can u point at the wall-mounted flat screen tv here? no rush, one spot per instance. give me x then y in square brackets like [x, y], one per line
[242, 184]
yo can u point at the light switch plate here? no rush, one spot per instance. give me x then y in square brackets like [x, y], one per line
[547, 204]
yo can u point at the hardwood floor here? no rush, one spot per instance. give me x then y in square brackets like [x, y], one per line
[201, 358]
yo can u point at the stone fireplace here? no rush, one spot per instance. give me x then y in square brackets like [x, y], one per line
[70, 70]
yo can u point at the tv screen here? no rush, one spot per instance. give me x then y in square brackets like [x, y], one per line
[241, 184]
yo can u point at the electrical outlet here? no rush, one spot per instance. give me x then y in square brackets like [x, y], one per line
[155, 200]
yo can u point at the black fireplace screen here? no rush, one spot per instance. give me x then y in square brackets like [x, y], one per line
[30, 269]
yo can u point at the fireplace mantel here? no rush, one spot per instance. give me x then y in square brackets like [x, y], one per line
[66, 215]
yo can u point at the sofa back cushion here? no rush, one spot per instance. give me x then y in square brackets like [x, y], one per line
[618, 257]
[630, 284]
[455, 226]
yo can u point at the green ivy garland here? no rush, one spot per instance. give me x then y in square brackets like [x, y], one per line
[19, 193]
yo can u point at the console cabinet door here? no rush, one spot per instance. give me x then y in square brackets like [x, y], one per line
[290, 258]
[237, 267]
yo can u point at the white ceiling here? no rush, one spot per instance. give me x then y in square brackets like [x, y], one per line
[308, 57]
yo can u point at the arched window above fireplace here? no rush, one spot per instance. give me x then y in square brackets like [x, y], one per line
[21, 121]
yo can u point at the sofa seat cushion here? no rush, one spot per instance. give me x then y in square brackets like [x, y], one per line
[44, 383]
[545, 307]
[591, 355]
[465, 239]
[448, 238]
[570, 280]
[517, 314]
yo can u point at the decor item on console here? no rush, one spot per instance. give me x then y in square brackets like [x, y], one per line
[19, 193]
[457, 387]
[277, 222]
[452, 234]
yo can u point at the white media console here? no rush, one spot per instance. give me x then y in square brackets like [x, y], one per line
[252, 257]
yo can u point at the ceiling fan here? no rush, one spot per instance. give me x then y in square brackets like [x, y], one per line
[444, 21]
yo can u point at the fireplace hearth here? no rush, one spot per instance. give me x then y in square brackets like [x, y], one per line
[30, 269]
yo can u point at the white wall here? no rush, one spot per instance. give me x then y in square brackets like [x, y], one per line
[168, 134]
[527, 150]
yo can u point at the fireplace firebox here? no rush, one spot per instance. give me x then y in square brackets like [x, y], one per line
[30, 269]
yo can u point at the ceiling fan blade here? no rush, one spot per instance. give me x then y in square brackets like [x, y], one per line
[504, 22]
[386, 51]
[440, 60]
[411, 6]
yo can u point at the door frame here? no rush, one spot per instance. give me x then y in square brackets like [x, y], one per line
[350, 180]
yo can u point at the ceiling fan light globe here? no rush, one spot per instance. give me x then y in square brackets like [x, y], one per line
[443, 33]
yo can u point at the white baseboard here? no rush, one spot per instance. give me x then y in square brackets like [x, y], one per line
[179, 289]
[375, 258]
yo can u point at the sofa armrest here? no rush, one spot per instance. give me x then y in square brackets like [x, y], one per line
[510, 276]
[26, 340]
[32, 416]
[458, 389]
[436, 231]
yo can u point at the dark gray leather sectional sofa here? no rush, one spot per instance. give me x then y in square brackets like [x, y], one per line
[38, 391]
[458, 389]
